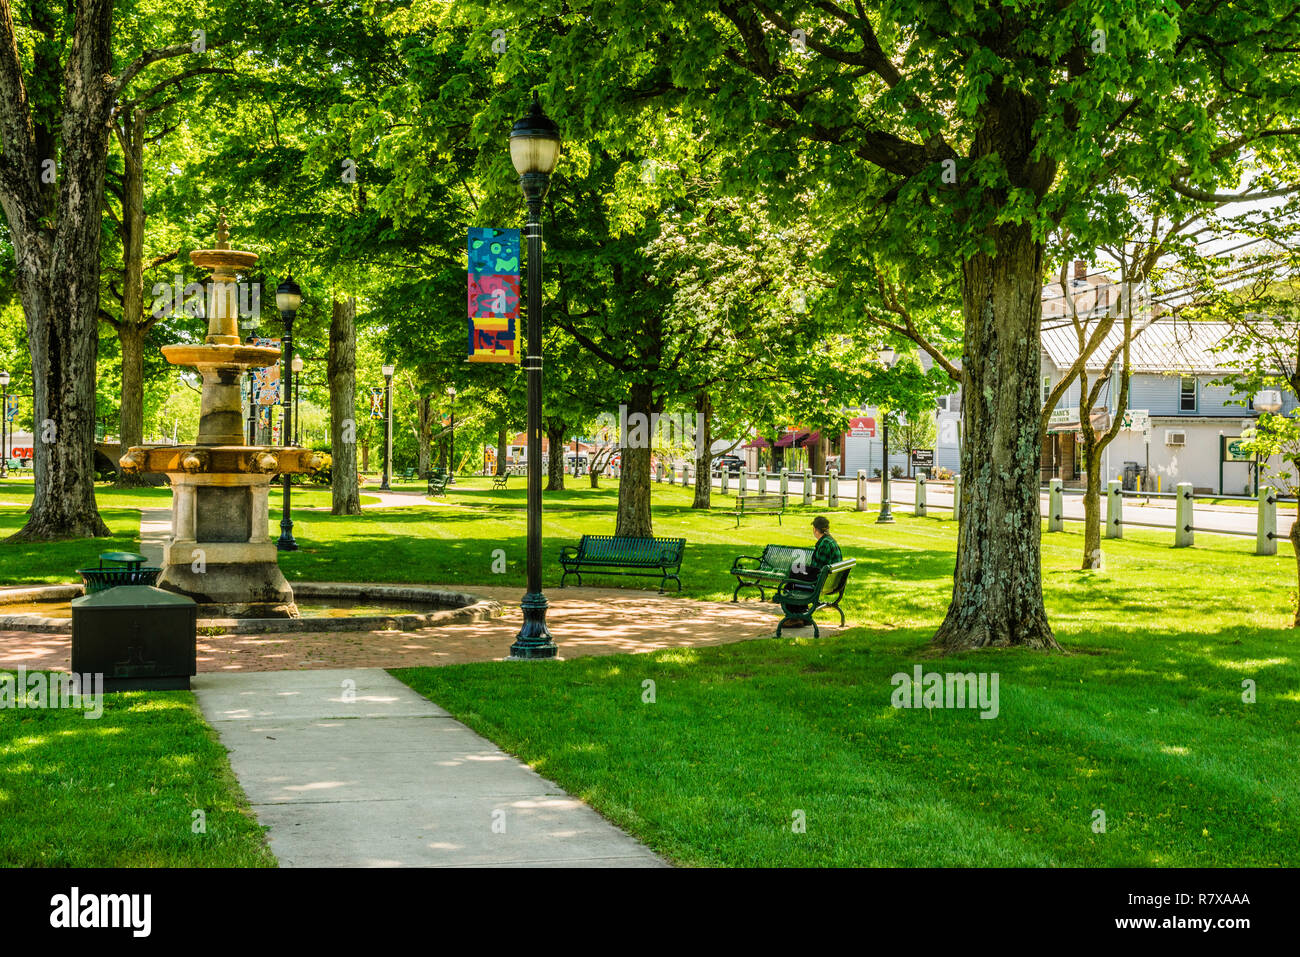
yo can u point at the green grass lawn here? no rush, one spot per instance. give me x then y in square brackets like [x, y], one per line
[121, 790]
[37, 563]
[1143, 718]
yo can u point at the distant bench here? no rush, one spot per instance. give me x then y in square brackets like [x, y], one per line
[766, 504]
[636, 556]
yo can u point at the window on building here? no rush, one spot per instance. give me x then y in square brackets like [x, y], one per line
[1187, 394]
[1047, 388]
[942, 403]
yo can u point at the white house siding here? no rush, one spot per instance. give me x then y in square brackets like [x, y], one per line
[865, 454]
[1196, 462]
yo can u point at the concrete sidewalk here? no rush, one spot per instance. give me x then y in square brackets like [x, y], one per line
[352, 768]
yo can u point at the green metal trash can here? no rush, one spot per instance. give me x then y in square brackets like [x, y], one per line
[138, 637]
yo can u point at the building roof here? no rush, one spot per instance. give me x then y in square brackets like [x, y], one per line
[1168, 346]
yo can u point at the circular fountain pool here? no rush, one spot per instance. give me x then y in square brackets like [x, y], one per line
[323, 606]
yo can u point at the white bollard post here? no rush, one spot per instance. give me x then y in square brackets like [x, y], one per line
[762, 480]
[1184, 530]
[659, 471]
[726, 474]
[672, 474]
[833, 488]
[1114, 510]
[686, 474]
[1055, 510]
[1266, 523]
[862, 490]
[918, 506]
[807, 487]
[956, 498]
[785, 482]
[740, 485]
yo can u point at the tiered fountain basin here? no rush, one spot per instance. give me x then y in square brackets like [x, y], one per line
[324, 606]
[220, 553]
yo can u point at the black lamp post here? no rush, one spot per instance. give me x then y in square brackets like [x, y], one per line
[534, 149]
[451, 462]
[386, 485]
[296, 365]
[4, 425]
[287, 299]
[886, 516]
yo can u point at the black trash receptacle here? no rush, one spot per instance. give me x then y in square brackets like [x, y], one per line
[138, 637]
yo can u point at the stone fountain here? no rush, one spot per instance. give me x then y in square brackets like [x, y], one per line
[220, 553]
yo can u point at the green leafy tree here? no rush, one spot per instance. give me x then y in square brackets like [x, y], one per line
[967, 132]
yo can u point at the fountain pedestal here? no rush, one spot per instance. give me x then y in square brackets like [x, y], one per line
[220, 553]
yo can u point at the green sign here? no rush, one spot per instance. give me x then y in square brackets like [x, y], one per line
[1233, 450]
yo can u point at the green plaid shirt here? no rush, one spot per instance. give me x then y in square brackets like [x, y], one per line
[826, 552]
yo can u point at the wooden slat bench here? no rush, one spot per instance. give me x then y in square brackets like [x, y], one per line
[767, 570]
[750, 504]
[637, 556]
[825, 592]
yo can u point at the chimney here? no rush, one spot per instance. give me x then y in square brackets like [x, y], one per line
[1080, 270]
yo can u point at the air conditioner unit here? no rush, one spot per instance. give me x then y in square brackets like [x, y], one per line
[1173, 437]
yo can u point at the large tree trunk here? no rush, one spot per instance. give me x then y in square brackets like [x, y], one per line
[345, 496]
[131, 330]
[703, 453]
[424, 432]
[56, 255]
[131, 421]
[997, 597]
[555, 458]
[1091, 503]
[634, 481]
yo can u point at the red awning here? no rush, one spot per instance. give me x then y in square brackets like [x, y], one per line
[786, 440]
[758, 443]
[806, 439]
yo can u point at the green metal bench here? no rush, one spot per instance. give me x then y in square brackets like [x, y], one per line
[767, 570]
[438, 483]
[499, 481]
[751, 504]
[638, 556]
[825, 592]
[407, 474]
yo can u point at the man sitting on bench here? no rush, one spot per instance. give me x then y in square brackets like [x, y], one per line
[825, 552]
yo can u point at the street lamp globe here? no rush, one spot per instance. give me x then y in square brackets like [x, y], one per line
[1269, 400]
[289, 296]
[297, 364]
[388, 371]
[534, 142]
[4, 380]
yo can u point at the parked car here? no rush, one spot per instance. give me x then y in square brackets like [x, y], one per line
[732, 463]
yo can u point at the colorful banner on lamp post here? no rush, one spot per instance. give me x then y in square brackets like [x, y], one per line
[493, 294]
[266, 381]
[376, 403]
